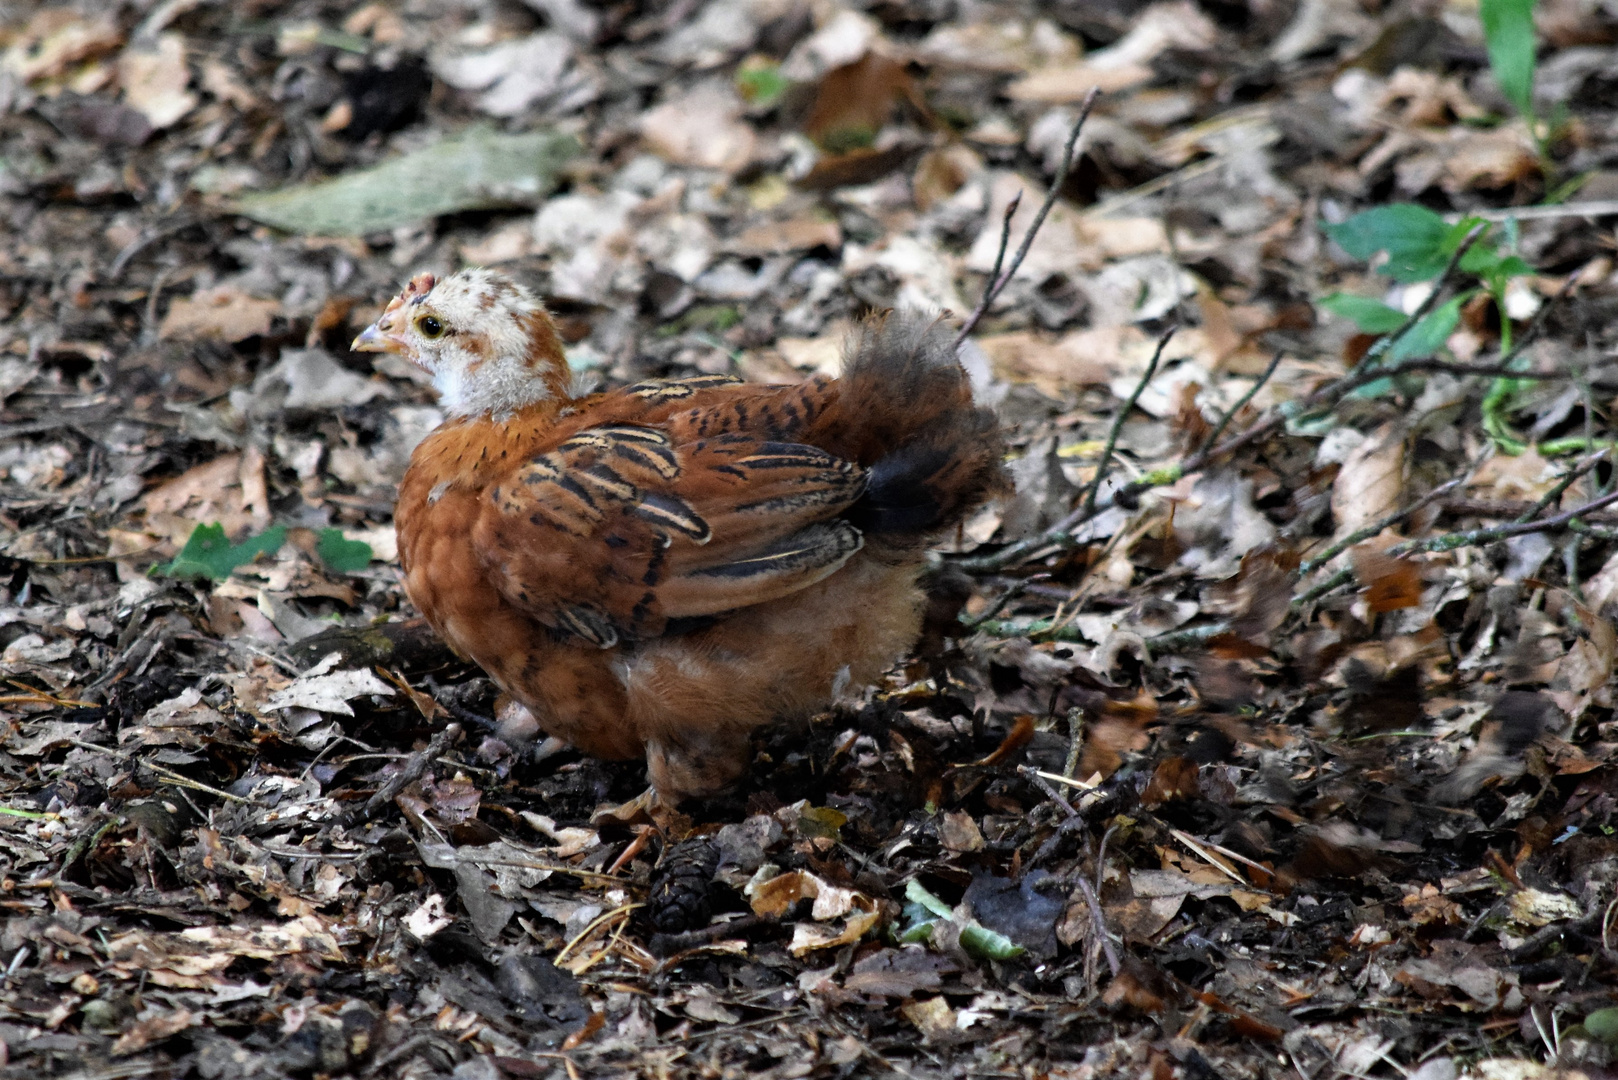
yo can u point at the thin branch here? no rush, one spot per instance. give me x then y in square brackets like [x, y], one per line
[1050, 792]
[1099, 922]
[1089, 503]
[997, 283]
[1550, 497]
[1376, 527]
[989, 287]
[1512, 510]
[412, 771]
[1468, 538]
[1326, 396]
[1241, 403]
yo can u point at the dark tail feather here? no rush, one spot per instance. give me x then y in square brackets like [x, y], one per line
[904, 411]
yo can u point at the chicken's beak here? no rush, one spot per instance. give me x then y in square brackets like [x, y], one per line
[374, 339]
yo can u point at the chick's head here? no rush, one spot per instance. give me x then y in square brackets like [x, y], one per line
[487, 342]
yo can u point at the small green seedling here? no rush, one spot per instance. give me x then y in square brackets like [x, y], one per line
[1418, 244]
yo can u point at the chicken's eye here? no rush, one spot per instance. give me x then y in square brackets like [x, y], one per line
[430, 327]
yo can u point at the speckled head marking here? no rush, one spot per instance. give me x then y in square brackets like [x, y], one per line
[486, 340]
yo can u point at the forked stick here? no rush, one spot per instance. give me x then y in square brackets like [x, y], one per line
[997, 281]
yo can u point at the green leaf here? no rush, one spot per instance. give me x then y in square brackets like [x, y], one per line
[980, 941]
[821, 821]
[1603, 1024]
[919, 924]
[479, 169]
[341, 554]
[1429, 335]
[1371, 316]
[1488, 263]
[1370, 392]
[977, 939]
[761, 83]
[208, 553]
[917, 893]
[1413, 236]
[1508, 30]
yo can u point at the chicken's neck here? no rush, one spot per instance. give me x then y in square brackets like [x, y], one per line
[469, 449]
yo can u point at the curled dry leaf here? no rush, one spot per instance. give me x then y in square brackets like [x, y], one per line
[1371, 480]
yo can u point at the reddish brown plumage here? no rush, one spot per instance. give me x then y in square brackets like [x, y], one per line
[662, 568]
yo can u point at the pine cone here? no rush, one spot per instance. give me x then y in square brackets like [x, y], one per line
[680, 899]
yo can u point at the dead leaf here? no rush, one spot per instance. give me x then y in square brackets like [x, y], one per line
[854, 101]
[55, 39]
[154, 77]
[222, 313]
[1390, 583]
[1125, 63]
[778, 237]
[933, 1017]
[958, 832]
[153, 1029]
[701, 128]
[1371, 481]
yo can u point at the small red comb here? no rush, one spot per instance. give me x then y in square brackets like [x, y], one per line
[413, 293]
[419, 286]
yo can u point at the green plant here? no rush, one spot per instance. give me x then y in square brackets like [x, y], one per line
[208, 553]
[760, 82]
[1419, 245]
[341, 554]
[1508, 31]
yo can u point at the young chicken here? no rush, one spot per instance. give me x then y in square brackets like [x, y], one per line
[662, 568]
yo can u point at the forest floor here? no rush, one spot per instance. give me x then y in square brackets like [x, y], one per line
[1265, 727]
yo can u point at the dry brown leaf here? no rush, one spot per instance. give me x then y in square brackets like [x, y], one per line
[808, 937]
[854, 101]
[797, 234]
[941, 173]
[933, 1017]
[220, 314]
[1390, 583]
[1371, 480]
[1125, 63]
[958, 832]
[702, 128]
[154, 77]
[153, 1029]
[55, 39]
[1489, 159]
[1063, 365]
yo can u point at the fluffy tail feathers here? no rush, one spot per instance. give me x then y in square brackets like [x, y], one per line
[905, 412]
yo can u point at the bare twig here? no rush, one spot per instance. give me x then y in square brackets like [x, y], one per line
[1467, 538]
[1509, 510]
[997, 282]
[1324, 397]
[1099, 922]
[1241, 403]
[990, 291]
[412, 771]
[1550, 497]
[1089, 504]
[1387, 522]
[1050, 792]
